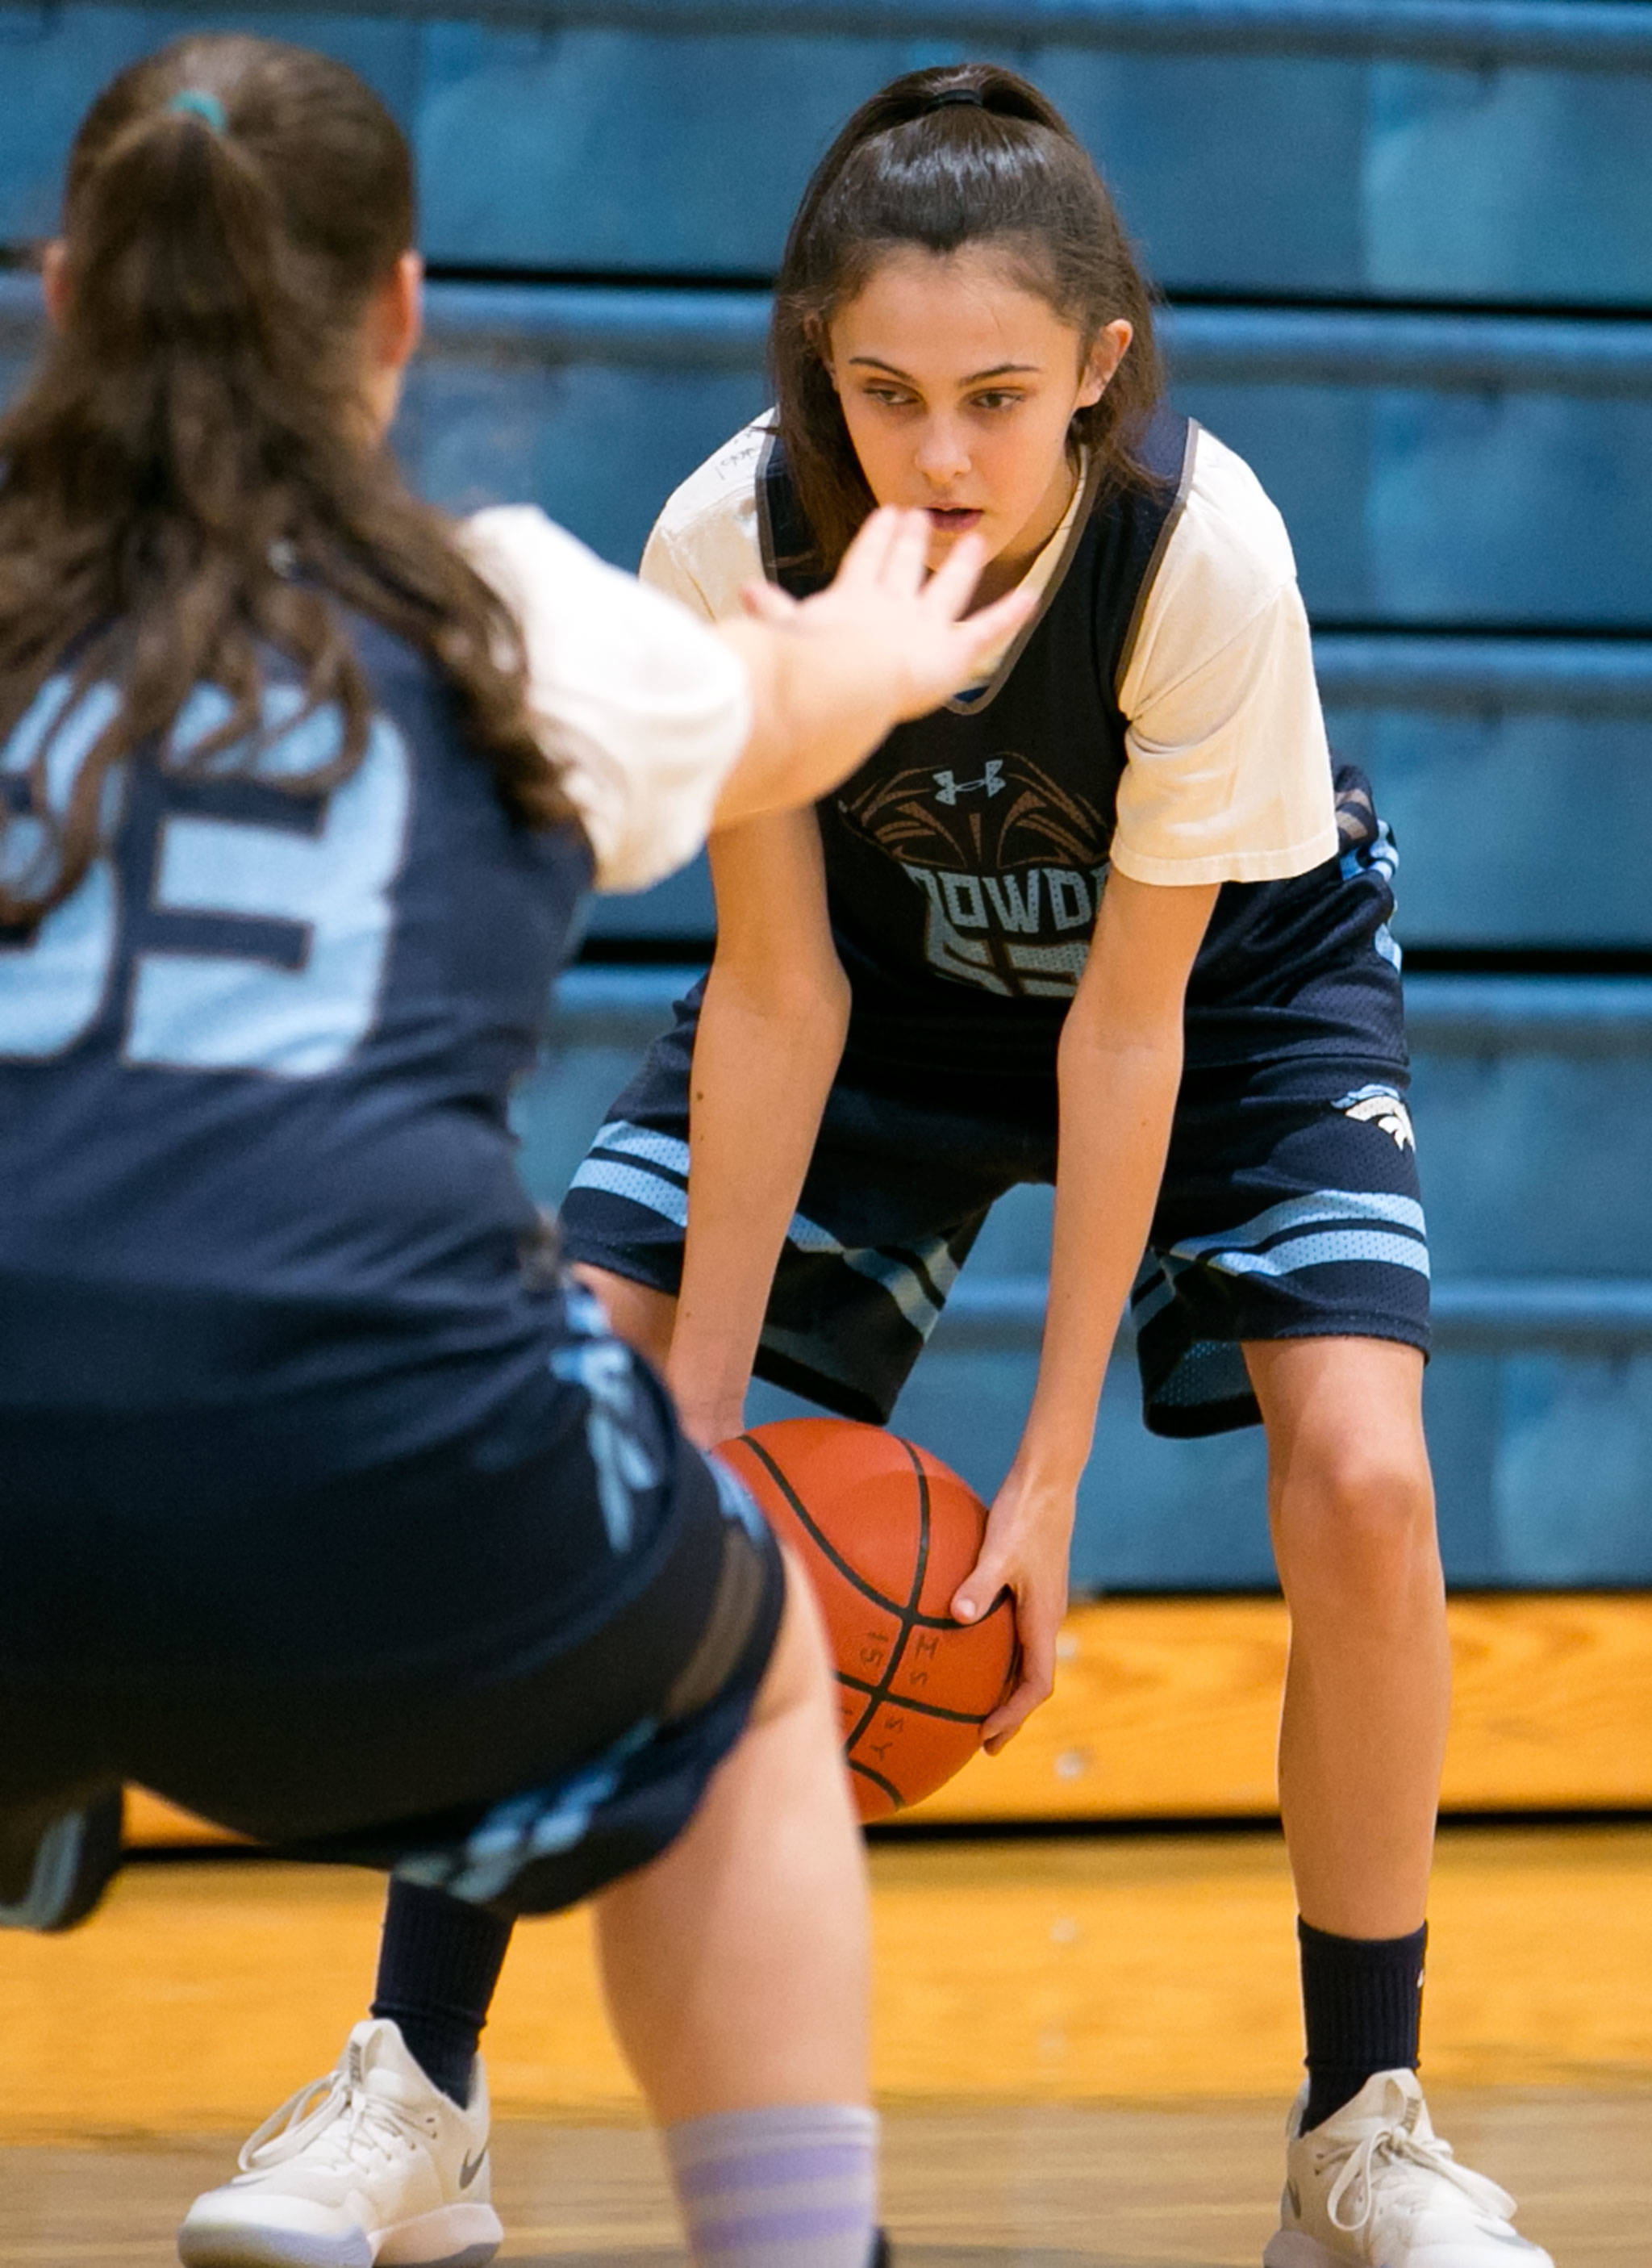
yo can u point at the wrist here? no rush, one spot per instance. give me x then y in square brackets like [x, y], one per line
[707, 1409]
[1050, 1471]
[1046, 1495]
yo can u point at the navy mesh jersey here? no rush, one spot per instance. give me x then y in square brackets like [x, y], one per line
[261, 1204]
[965, 858]
[967, 855]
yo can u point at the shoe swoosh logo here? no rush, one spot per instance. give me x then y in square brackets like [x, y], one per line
[471, 2167]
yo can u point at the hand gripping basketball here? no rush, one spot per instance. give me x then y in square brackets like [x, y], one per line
[887, 1534]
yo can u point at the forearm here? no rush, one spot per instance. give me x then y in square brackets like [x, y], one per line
[1118, 1097]
[815, 715]
[762, 1071]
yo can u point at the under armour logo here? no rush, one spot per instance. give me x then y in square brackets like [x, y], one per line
[1382, 1107]
[949, 787]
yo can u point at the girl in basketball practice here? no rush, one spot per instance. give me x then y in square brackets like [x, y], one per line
[331, 1509]
[1108, 921]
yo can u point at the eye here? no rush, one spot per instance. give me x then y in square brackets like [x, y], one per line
[998, 397]
[896, 397]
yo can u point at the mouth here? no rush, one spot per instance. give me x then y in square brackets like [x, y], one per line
[954, 519]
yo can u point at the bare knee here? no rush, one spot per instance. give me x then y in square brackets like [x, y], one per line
[1353, 1517]
[637, 1314]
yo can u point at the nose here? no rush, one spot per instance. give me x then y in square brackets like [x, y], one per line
[942, 452]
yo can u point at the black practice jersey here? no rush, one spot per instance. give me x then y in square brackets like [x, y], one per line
[969, 849]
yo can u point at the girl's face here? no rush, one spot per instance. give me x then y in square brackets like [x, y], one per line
[959, 385]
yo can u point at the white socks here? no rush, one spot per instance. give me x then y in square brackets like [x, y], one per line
[795, 2187]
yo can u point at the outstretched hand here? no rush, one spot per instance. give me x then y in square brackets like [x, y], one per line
[908, 625]
[1029, 1532]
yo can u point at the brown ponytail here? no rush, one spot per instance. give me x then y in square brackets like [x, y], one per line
[967, 154]
[189, 484]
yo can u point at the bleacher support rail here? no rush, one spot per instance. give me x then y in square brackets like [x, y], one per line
[1597, 35]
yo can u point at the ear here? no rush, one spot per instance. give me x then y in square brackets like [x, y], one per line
[820, 339]
[1112, 343]
[398, 315]
[54, 282]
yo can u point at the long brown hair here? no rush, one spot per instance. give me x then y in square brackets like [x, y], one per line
[189, 484]
[965, 154]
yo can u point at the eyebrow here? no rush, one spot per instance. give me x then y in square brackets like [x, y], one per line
[998, 370]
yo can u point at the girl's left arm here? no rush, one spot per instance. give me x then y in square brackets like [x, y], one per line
[1120, 1067]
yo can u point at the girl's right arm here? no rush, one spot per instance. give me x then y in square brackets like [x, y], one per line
[771, 1027]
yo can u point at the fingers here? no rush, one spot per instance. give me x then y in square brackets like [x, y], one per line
[981, 1588]
[1038, 1682]
[954, 580]
[997, 624]
[863, 564]
[767, 602]
[908, 556]
[1036, 1623]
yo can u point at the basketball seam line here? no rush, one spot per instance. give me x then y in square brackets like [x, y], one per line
[908, 1616]
[877, 1780]
[904, 1615]
[920, 1568]
[877, 1598]
[923, 1708]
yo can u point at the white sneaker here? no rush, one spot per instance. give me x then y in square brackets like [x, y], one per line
[371, 2164]
[1375, 2185]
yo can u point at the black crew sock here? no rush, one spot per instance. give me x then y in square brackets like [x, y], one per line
[1361, 1997]
[439, 1962]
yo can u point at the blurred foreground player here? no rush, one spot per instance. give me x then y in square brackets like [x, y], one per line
[329, 1508]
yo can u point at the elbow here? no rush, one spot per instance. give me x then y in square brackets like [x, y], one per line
[812, 1000]
[1149, 1047]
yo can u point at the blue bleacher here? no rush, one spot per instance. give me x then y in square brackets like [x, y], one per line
[1408, 249]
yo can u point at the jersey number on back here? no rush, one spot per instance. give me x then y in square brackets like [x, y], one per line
[216, 1011]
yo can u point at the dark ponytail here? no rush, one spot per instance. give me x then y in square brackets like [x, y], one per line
[190, 484]
[967, 154]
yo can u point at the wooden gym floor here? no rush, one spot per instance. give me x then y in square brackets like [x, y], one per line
[1084, 2050]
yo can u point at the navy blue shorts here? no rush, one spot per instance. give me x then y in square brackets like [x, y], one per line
[507, 1670]
[1289, 1206]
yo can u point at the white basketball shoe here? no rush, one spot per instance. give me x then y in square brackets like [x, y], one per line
[371, 2164]
[1375, 2186]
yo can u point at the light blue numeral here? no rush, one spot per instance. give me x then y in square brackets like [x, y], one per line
[222, 1012]
[52, 988]
[212, 1011]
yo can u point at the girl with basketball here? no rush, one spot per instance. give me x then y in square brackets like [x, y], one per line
[1106, 920]
[331, 1509]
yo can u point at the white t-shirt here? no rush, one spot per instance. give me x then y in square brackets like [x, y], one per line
[643, 712]
[1228, 775]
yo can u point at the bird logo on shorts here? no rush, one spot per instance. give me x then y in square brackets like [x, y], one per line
[1380, 1106]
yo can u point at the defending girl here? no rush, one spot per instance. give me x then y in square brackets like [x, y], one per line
[1108, 921]
[1104, 921]
[330, 1507]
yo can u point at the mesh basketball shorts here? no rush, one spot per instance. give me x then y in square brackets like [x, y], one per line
[507, 1670]
[1289, 1206]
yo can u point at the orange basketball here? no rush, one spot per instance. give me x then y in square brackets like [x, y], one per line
[888, 1534]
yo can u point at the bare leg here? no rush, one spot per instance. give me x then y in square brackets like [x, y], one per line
[642, 1317]
[736, 1965]
[1368, 1692]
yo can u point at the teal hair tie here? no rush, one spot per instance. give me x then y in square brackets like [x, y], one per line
[200, 104]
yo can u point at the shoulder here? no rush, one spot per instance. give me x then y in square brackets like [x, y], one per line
[1229, 551]
[642, 708]
[707, 541]
[526, 556]
[1225, 566]
[575, 609]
